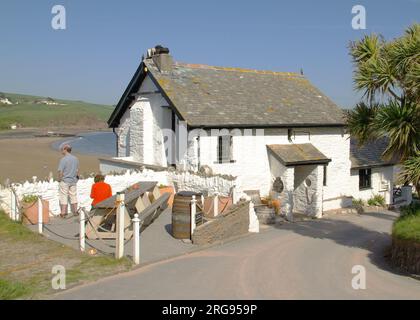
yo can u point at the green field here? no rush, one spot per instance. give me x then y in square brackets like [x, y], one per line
[28, 114]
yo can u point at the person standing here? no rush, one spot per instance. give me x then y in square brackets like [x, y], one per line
[68, 175]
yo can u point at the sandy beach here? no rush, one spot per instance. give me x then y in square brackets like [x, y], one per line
[23, 158]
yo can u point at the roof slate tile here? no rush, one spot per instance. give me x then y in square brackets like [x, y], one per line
[245, 97]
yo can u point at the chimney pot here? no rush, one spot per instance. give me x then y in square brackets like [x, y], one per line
[162, 59]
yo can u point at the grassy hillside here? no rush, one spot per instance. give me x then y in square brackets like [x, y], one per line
[31, 111]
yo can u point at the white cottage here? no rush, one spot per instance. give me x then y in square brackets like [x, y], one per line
[274, 131]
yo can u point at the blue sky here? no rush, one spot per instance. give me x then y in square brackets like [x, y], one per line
[96, 56]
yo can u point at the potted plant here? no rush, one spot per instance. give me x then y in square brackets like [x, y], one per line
[30, 210]
[275, 203]
[164, 189]
[271, 202]
[266, 201]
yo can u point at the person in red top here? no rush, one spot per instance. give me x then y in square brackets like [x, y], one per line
[100, 190]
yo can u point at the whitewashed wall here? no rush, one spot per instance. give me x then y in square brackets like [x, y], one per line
[307, 197]
[252, 166]
[123, 133]
[140, 134]
[187, 181]
[381, 176]
[297, 196]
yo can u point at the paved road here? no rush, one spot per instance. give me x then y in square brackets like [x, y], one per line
[305, 260]
[156, 236]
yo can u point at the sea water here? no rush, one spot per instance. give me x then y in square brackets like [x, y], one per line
[94, 143]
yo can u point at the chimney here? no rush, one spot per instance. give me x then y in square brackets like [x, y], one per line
[161, 58]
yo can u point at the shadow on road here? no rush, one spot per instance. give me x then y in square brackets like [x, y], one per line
[168, 228]
[381, 215]
[349, 234]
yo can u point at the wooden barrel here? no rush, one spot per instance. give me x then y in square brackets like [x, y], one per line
[181, 214]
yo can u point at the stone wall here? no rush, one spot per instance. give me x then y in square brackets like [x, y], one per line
[141, 132]
[188, 181]
[123, 133]
[405, 255]
[233, 223]
[298, 195]
[307, 195]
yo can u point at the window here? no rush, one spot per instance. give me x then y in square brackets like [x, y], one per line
[224, 149]
[324, 180]
[365, 181]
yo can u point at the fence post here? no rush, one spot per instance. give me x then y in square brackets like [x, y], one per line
[82, 230]
[136, 239]
[234, 195]
[12, 205]
[216, 204]
[40, 215]
[119, 248]
[193, 212]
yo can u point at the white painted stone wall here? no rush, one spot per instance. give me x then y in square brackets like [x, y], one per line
[250, 154]
[297, 196]
[187, 181]
[287, 196]
[142, 127]
[123, 133]
[137, 136]
[252, 166]
[381, 183]
[307, 195]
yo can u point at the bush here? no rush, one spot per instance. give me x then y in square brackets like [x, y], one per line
[29, 198]
[407, 228]
[358, 205]
[377, 200]
[412, 209]
[358, 202]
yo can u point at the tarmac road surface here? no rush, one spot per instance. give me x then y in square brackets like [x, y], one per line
[303, 260]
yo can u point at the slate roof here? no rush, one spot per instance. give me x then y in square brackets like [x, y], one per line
[298, 154]
[207, 96]
[369, 155]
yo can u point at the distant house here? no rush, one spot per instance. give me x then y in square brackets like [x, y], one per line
[48, 101]
[275, 131]
[4, 99]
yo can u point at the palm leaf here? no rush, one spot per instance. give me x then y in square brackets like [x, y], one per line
[400, 122]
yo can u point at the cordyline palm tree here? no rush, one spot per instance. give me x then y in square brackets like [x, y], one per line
[388, 73]
[411, 172]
